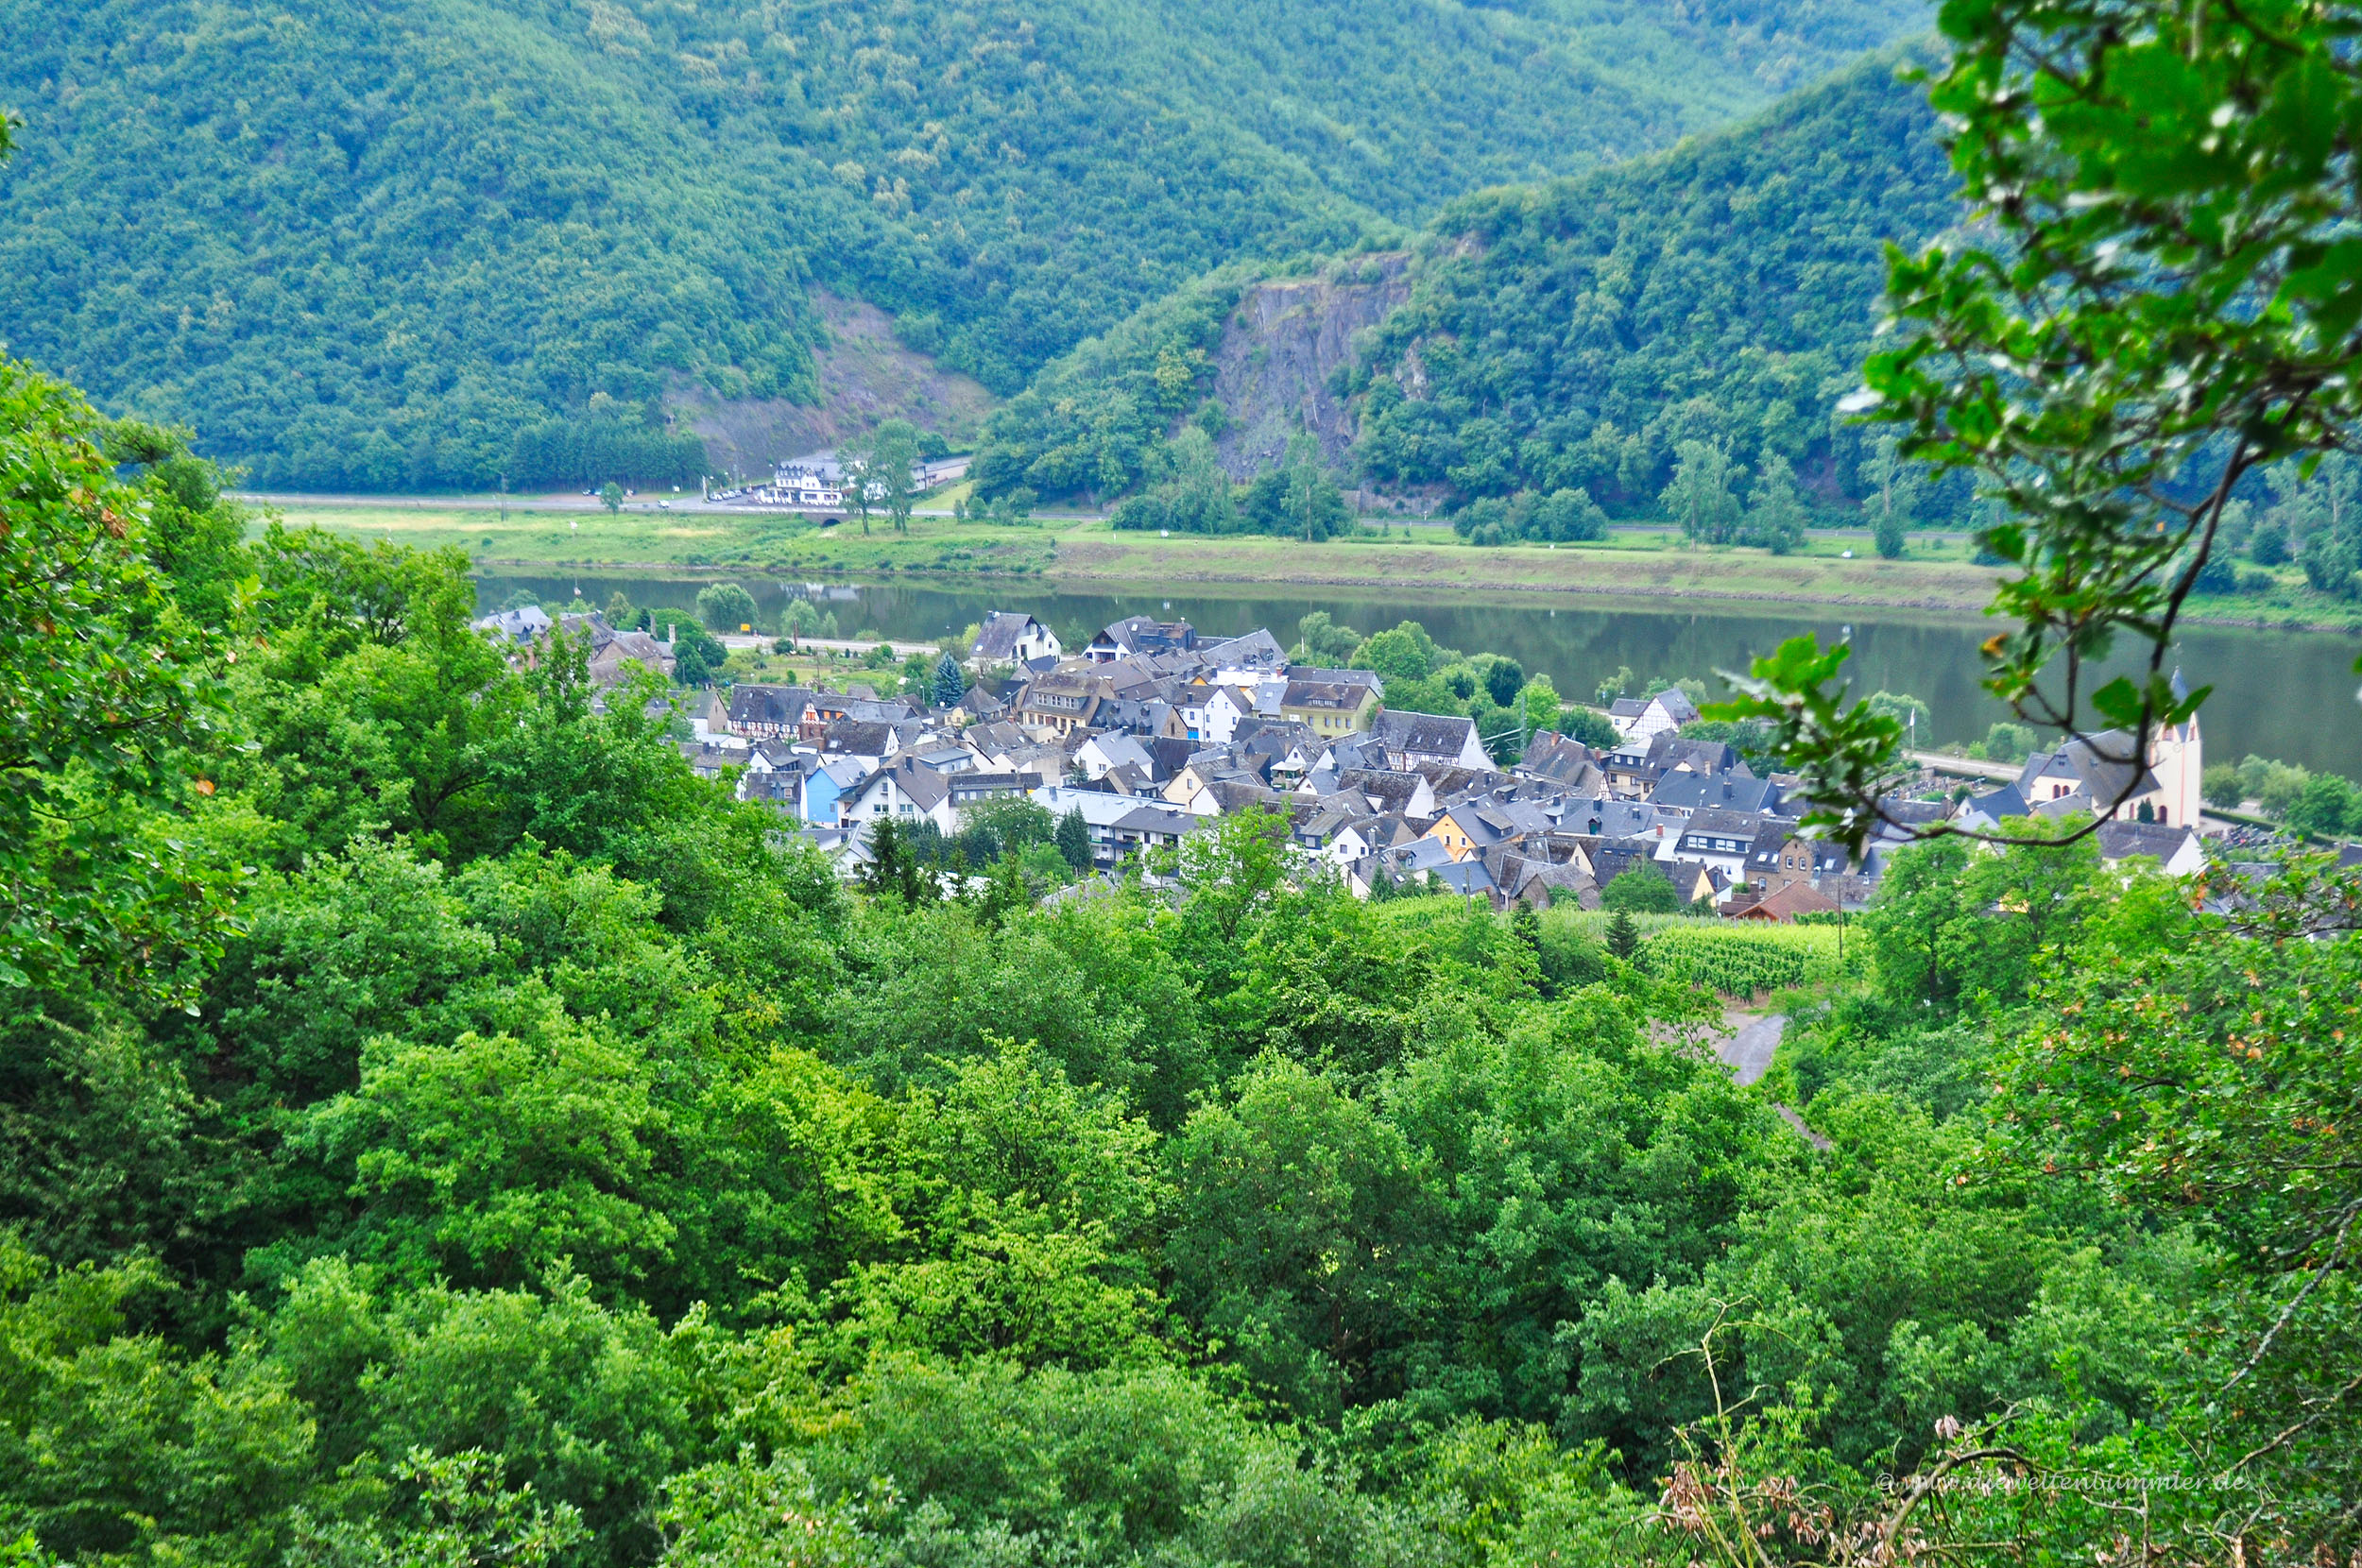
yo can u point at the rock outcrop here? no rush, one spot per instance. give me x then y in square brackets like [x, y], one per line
[1279, 351]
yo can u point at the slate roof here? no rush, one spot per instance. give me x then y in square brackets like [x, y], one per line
[856, 738]
[2124, 841]
[1437, 735]
[997, 639]
[521, 624]
[1551, 755]
[1730, 792]
[1255, 650]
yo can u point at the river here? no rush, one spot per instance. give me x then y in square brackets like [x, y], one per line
[2288, 696]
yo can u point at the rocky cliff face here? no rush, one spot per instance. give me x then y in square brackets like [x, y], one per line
[1278, 350]
[867, 377]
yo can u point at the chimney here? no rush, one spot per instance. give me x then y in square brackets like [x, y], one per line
[672, 631]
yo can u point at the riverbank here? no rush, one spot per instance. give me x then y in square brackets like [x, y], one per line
[1938, 575]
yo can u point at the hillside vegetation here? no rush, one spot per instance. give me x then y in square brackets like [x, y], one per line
[1573, 335]
[438, 1127]
[363, 244]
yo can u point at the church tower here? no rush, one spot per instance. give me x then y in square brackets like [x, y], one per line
[2178, 759]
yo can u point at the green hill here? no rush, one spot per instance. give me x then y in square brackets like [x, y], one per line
[367, 245]
[1562, 335]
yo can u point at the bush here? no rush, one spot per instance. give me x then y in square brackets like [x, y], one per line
[2009, 743]
[725, 607]
[2219, 576]
[1562, 516]
[2327, 804]
[1641, 890]
[1589, 727]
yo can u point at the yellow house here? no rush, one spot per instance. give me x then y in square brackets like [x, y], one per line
[1330, 702]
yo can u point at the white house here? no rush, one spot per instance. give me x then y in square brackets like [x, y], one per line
[1009, 636]
[1638, 717]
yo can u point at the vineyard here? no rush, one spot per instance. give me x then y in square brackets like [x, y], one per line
[1737, 959]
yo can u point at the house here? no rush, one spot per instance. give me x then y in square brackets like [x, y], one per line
[1472, 827]
[520, 627]
[968, 788]
[1138, 634]
[1213, 714]
[1009, 636]
[1443, 739]
[1983, 814]
[1783, 905]
[1538, 880]
[824, 787]
[1797, 859]
[1551, 758]
[768, 713]
[1329, 702]
[707, 760]
[1633, 768]
[857, 738]
[1102, 811]
[1061, 701]
[1406, 795]
[613, 656]
[1643, 718]
[1468, 878]
[781, 789]
[1103, 754]
[1255, 653]
[1721, 838]
[1147, 828]
[903, 793]
[2178, 851]
[1685, 793]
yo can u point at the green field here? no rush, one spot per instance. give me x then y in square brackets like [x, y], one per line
[1938, 574]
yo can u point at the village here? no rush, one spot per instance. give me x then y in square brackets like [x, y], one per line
[1150, 733]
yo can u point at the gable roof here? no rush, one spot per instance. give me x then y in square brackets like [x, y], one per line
[521, 624]
[1313, 690]
[2124, 841]
[1730, 792]
[1789, 902]
[998, 638]
[1675, 705]
[768, 705]
[1551, 755]
[1439, 734]
[1255, 650]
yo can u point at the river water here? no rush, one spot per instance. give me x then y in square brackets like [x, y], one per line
[2288, 696]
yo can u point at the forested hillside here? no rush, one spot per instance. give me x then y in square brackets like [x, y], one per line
[437, 1127]
[1573, 335]
[364, 244]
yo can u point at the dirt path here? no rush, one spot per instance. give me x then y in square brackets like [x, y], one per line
[1748, 1053]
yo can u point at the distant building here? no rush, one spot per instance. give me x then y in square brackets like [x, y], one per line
[1010, 636]
[1136, 635]
[1329, 702]
[1410, 739]
[1638, 717]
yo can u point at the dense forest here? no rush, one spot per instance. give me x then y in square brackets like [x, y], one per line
[367, 245]
[437, 1126]
[1573, 336]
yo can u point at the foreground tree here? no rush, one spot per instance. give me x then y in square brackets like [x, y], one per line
[108, 690]
[2176, 304]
